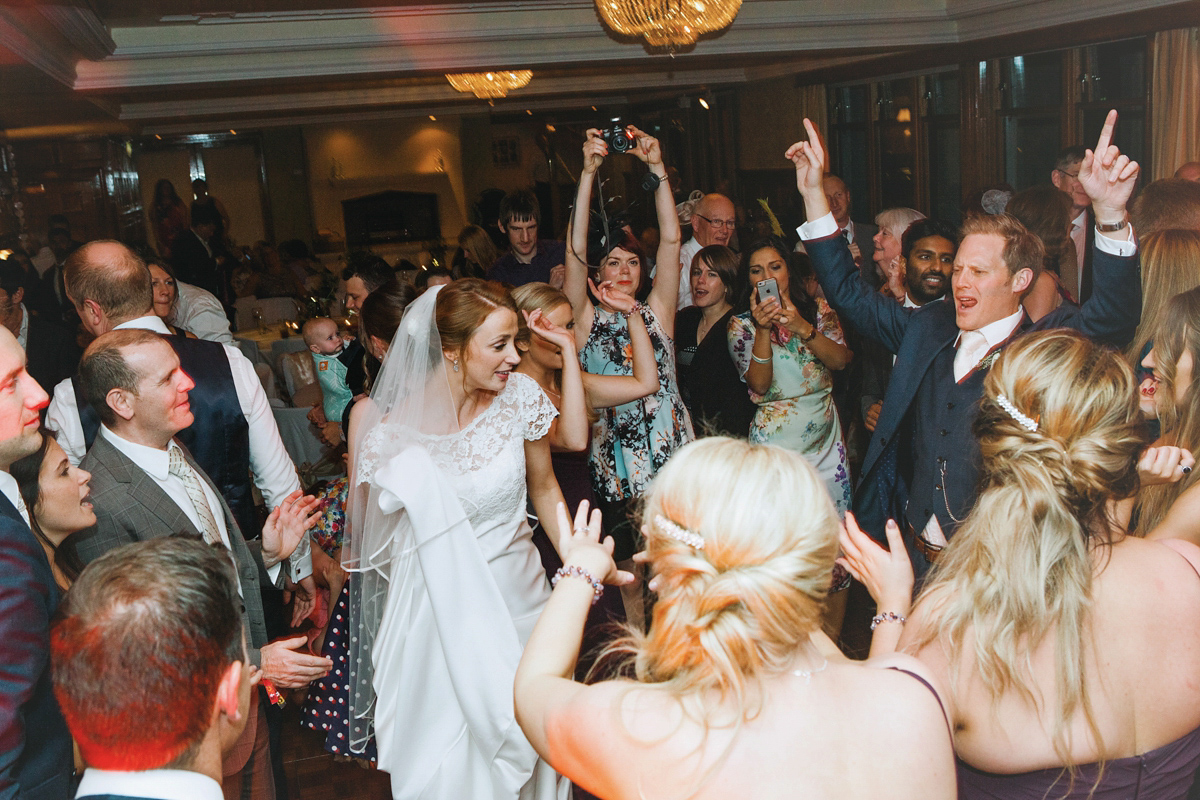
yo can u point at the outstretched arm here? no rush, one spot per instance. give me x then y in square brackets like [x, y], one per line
[664, 297]
[575, 279]
[851, 296]
[888, 576]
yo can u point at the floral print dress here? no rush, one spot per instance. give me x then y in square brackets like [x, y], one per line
[797, 412]
[631, 442]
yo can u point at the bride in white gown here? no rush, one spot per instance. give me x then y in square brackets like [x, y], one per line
[449, 583]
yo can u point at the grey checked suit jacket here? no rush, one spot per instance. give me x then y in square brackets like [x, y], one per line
[131, 507]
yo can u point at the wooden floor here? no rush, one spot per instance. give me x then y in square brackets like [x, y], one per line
[314, 774]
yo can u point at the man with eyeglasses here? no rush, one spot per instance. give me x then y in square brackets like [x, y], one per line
[713, 222]
[1065, 177]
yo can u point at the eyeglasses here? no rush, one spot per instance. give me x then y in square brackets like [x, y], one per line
[1074, 174]
[718, 223]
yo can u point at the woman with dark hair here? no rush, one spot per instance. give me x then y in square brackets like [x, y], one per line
[168, 215]
[708, 380]
[630, 442]
[786, 350]
[1046, 212]
[166, 295]
[56, 495]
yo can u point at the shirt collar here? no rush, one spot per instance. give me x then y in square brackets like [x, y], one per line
[23, 333]
[165, 784]
[8, 486]
[996, 332]
[1081, 220]
[908, 302]
[156, 463]
[850, 228]
[151, 322]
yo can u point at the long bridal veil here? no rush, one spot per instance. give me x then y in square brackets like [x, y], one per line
[410, 399]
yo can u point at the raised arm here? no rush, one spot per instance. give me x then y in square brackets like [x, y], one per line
[851, 297]
[605, 391]
[664, 296]
[569, 430]
[888, 576]
[576, 277]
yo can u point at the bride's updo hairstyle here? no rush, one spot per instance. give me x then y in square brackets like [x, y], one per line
[738, 607]
[1060, 434]
[463, 305]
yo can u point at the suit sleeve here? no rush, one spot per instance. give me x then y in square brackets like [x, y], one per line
[1111, 314]
[856, 303]
[24, 646]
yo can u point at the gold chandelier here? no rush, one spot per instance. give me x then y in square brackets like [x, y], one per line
[668, 23]
[487, 85]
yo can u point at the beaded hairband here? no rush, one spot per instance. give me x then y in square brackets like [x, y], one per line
[1024, 421]
[678, 533]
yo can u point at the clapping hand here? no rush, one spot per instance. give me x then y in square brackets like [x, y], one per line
[887, 574]
[579, 545]
[594, 150]
[1108, 176]
[287, 525]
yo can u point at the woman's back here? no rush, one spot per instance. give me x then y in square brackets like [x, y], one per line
[848, 730]
[1144, 625]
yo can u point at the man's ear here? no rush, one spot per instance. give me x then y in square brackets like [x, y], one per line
[120, 401]
[17, 296]
[503, 228]
[228, 699]
[90, 312]
[1056, 178]
[1022, 280]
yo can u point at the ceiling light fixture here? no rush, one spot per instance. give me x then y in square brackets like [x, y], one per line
[670, 24]
[704, 104]
[490, 84]
[432, 118]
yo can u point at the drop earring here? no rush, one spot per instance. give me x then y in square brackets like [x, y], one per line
[455, 364]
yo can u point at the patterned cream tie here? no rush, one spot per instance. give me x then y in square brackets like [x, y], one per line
[182, 470]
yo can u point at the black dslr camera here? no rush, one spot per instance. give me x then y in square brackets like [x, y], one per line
[618, 139]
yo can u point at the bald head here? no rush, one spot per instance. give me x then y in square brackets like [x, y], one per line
[713, 220]
[110, 280]
[1189, 171]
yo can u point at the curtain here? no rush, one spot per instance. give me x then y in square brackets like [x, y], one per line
[1175, 100]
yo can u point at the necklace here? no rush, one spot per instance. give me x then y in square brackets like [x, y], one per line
[808, 673]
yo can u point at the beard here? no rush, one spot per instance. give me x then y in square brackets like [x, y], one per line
[922, 291]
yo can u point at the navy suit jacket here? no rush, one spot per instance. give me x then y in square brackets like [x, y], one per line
[35, 747]
[1110, 316]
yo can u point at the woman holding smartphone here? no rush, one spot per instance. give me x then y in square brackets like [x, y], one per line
[785, 348]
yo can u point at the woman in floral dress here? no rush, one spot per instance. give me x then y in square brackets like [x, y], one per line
[785, 354]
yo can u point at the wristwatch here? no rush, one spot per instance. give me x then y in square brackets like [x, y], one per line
[1111, 228]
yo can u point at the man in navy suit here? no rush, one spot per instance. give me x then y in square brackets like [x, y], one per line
[922, 465]
[35, 748]
[151, 669]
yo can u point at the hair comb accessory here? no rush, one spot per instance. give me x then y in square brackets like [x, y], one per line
[1024, 421]
[678, 533]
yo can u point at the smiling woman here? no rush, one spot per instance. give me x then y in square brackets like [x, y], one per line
[58, 500]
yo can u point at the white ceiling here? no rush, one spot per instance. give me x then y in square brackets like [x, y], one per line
[190, 66]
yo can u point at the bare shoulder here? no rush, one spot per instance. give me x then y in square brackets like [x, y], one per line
[898, 689]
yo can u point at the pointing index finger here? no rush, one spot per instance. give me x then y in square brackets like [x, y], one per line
[1106, 132]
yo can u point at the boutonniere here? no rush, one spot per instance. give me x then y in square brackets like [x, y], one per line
[987, 362]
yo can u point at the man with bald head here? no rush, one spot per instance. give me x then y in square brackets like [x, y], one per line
[1189, 171]
[713, 222]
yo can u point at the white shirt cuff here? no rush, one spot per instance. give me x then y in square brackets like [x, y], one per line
[818, 228]
[273, 573]
[1123, 248]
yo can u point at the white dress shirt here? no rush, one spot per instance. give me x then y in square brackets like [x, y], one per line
[1079, 237]
[972, 348]
[273, 469]
[157, 465]
[8, 486]
[23, 333]
[162, 784]
[199, 311]
[686, 254]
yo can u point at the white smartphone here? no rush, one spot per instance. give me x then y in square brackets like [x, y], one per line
[769, 288]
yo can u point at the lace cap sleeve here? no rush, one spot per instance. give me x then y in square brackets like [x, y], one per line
[534, 408]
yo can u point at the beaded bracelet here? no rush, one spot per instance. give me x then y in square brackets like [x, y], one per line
[887, 616]
[579, 572]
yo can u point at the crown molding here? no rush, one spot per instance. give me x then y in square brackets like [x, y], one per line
[18, 36]
[82, 28]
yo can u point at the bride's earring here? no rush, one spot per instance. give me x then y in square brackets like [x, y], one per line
[455, 365]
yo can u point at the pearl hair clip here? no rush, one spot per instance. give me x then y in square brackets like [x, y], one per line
[1024, 421]
[678, 533]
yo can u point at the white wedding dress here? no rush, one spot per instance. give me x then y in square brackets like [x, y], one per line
[465, 591]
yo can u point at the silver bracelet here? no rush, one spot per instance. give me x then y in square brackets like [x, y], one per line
[758, 360]
[579, 572]
[887, 616]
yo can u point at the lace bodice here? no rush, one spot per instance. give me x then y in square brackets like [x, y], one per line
[485, 461]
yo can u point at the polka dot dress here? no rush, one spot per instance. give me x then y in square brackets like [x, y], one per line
[325, 710]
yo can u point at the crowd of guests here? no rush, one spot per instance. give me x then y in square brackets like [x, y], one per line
[991, 426]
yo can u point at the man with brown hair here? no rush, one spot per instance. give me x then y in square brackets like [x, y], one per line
[1165, 204]
[922, 467]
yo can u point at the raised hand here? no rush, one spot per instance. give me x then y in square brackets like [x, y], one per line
[809, 159]
[1108, 176]
[594, 151]
[579, 545]
[543, 328]
[1164, 465]
[887, 574]
[287, 525]
[616, 300]
[648, 148]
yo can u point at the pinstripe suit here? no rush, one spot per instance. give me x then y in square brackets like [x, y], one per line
[131, 507]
